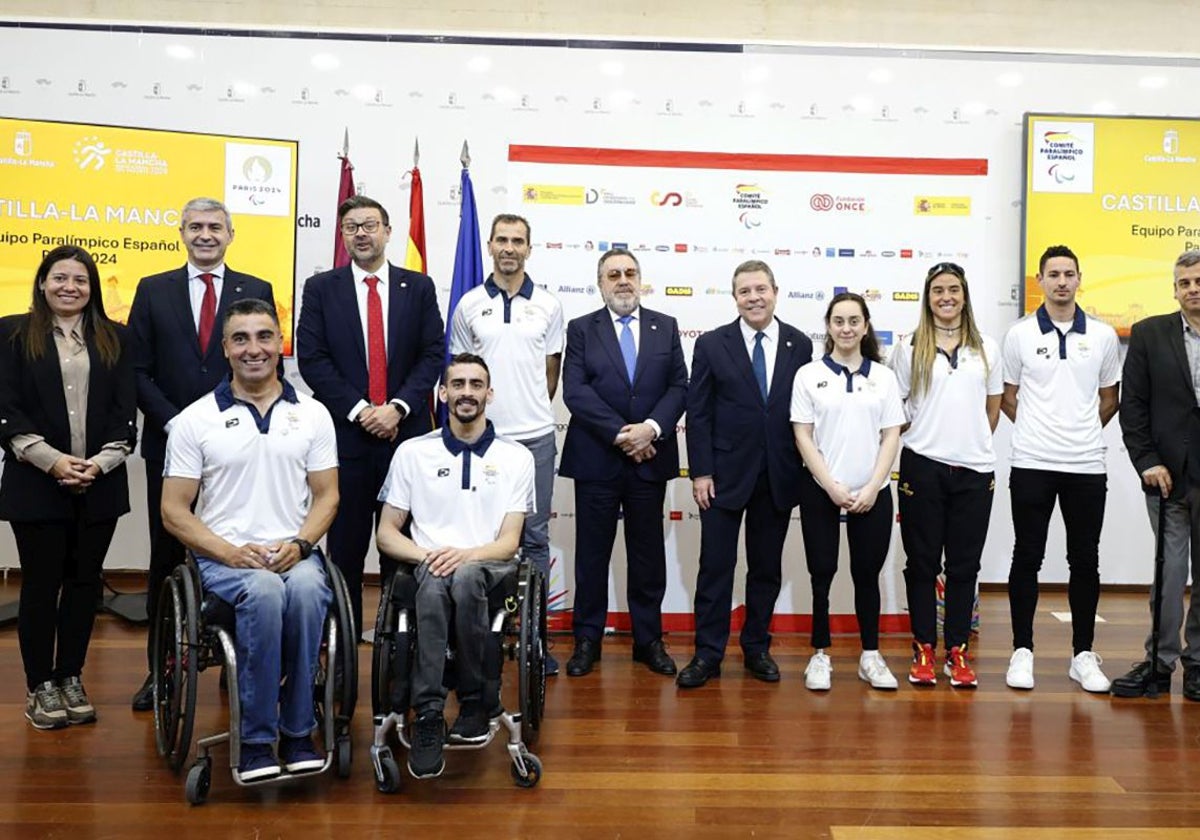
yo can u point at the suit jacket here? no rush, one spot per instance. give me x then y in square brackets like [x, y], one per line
[601, 399]
[172, 373]
[32, 402]
[1158, 406]
[333, 355]
[731, 435]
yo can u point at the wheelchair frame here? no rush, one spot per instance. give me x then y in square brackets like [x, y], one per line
[519, 627]
[189, 637]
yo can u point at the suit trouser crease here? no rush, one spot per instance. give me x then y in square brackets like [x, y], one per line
[942, 509]
[1181, 555]
[598, 505]
[1081, 499]
[280, 621]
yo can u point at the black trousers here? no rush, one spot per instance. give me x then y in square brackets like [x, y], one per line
[166, 552]
[597, 507]
[353, 529]
[766, 529]
[943, 509]
[1081, 498]
[60, 586]
[869, 535]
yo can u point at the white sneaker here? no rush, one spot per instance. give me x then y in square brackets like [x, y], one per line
[1020, 669]
[818, 676]
[1085, 670]
[872, 669]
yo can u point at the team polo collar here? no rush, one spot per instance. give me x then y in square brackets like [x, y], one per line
[1078, 324]
[841, 370]
[226, 400]
[526, 290]
[458, 447]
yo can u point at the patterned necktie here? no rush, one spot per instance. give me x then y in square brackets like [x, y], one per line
[208, 313]
[758, 361]
[376, 353]
[628, 348]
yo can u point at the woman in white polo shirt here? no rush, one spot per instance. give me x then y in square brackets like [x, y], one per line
[846, 414]
[951, 378]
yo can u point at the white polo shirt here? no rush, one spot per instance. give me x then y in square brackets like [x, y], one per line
[1060, 374]
[848, 409]
[514, 336]
[253, 471]
[458, 495]
[949, 420]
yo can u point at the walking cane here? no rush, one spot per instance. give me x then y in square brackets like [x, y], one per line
[1151, 688]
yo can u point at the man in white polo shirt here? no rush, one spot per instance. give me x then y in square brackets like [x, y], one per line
[1061, 386]
[468, 491]
[518, 328]
[263, 460]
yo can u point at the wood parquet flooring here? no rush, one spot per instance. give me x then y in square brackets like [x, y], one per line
[627, 755]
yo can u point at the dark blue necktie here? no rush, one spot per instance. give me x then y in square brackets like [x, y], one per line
[758, 361]
[628, 348]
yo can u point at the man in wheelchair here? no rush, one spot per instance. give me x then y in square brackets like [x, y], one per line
[263, 460]
[467, 492]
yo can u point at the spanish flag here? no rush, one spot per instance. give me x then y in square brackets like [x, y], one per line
[414, 256]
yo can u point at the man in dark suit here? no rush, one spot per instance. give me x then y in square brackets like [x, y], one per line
[1160, 424]
[625, 382]
[743, 461]
[369, 344]
[175, 326]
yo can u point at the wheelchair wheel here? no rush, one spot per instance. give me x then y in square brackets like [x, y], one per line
[175, 667]
[532, 654]
[346, 672]
[388, 781]
[343, 757]
[533, 775]
[381, 649]
[199, 779]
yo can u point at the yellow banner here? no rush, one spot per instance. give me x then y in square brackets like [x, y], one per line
[1124, 194]
[117, 192]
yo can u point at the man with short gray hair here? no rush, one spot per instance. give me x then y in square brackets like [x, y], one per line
[175, 326]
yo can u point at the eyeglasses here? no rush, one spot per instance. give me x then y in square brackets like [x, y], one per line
[947, 268]
[617, 274]
[369, 226]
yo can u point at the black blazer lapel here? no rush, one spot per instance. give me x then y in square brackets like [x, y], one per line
[781, 382]
[344, 315]
[398, 300]
[606, 335]
[181, 304]
[736, 347]
[47, 374]
[650, 338]
[1174, 337]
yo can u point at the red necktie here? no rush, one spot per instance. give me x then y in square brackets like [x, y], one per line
[208, 312]
[376, 354]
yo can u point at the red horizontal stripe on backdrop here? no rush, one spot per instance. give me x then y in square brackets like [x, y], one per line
[581, 155]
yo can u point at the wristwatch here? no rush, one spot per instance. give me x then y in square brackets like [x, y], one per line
[306, 548]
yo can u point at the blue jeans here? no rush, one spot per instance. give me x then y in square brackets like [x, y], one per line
[536, 542]
[280, 623]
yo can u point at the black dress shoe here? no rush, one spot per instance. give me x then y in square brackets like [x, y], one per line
[143, 701]
[697, 672]
[1191, 683]
[762, 667]
[654, 656]
[585, 657]
[1137, 682]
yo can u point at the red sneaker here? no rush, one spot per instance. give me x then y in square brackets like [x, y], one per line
[959, 670]
[923, 670]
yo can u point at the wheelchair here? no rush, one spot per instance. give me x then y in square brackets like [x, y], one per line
[517, 605]
[194, 631]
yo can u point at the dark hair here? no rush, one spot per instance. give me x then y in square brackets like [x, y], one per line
[616, 252]
[95, 323]
[1057, 251]
[510, 219]
[466, 359]
[750, 266]
[251, 306]
[869, 345]
[359, 202]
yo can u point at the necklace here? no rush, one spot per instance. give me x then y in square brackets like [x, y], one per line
[948, 329]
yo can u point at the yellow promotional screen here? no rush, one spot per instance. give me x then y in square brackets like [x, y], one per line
[118, 192]
[1124, 194]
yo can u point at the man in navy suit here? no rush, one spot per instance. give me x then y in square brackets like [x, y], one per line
[625, 382]
[743, 461]
[175, 327]
[369, 344]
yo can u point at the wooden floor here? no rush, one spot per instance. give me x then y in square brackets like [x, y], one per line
[626, 755]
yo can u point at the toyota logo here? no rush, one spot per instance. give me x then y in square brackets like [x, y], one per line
[821, 202]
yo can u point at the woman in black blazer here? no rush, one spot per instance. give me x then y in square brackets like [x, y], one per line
[68, 408]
